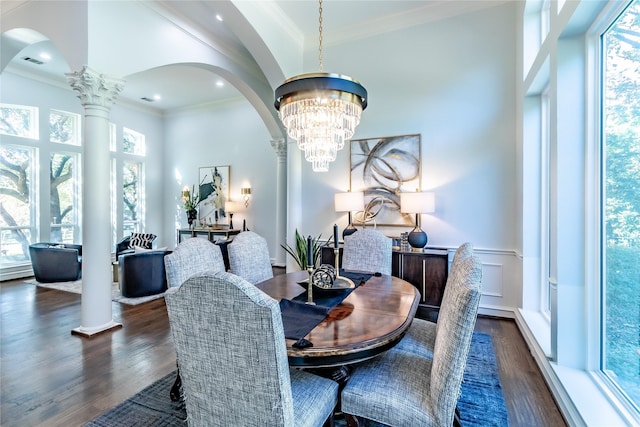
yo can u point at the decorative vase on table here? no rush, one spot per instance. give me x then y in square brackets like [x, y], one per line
[192, 215]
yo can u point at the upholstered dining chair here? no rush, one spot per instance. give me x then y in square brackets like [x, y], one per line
[421, 335]
[367, 250]
[192, 257]
[249, 257]
[401, 388]
[233, 359]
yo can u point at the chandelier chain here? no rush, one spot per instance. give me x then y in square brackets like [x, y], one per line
[320, 35]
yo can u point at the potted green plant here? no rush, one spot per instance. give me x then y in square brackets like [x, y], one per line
[190, 201]
[299, 252]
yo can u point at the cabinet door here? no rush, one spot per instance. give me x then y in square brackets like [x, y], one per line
[427, 272]
[435, 279]
[412, 272]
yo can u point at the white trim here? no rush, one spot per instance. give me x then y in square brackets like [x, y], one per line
[580, 398]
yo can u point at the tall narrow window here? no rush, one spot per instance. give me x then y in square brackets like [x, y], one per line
[17, 201]
[132, 193]
[621, 203]
[65, 198]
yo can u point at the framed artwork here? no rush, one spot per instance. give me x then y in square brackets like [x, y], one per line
[214, 193]
[383, 168]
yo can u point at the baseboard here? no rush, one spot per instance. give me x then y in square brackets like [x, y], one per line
[16, 272]
[495, 311]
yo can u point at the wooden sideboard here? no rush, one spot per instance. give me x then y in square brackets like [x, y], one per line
[427, 271]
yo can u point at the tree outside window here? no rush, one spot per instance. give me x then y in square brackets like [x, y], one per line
[621, 203]
[16, 203]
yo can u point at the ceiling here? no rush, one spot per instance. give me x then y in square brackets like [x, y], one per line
[181, 86]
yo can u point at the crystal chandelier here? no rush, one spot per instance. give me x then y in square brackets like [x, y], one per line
[320, 111]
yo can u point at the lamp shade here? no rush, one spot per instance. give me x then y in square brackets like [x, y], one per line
[231, 206]
[349, 202]
[418, 202]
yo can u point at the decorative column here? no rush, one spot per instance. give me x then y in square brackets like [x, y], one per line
[97, 94]
[280, 147]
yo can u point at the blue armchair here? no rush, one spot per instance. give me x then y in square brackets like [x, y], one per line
[56, 262]
[142, 274]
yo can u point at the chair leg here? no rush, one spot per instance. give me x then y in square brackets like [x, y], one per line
[176, 388]
[351, 420]
[457, 422]
[331, 421]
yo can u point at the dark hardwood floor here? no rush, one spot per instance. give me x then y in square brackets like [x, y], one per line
[52, 378]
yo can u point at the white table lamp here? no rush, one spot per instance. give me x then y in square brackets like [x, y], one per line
[417, 203]
[349, 202]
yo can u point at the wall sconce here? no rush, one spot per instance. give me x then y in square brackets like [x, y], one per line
[246, 193]
[417, 203]
[185, 193]
[231, 207]
[349, 202]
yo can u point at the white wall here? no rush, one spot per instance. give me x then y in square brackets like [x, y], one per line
[229, 134]
[453, 82]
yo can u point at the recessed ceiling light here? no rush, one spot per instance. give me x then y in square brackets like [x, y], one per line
[220, 83]
[219, 17]
[45, 56]
[157, 97]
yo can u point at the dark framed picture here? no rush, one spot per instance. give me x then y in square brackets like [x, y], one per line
[383, 168]
[213, 193]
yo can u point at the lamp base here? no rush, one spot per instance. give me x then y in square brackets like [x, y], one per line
[418, 239]
[349, 230]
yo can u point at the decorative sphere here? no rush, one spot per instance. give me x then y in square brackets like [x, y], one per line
[323, 276]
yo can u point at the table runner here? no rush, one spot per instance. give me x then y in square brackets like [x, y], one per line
[299, 318]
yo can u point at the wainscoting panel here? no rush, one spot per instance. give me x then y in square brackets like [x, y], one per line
[501, 282]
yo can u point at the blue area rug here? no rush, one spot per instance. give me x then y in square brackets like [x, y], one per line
[481, 402]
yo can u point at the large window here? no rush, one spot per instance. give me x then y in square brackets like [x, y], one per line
[17, 203]
[621, 203]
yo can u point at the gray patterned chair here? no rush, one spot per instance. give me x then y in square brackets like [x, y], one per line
[367, 250]
[192, 257]
[233, 359]
[401, 388]
[249, 257]
[421, 335]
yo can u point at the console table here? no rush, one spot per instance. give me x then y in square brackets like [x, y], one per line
[427, 271]
[219, 236]
[213, 234]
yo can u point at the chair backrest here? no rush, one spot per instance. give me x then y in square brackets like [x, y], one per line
[192, 257]
[249, 257]
[454, 329]
[463, 252]
[230, 342]
[367, 250]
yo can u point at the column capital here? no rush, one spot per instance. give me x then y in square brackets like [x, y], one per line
[280, 147]
[94, 88]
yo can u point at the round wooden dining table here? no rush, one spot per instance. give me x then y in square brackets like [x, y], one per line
[369, 321]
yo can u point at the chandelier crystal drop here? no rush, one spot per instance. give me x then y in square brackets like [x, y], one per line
[320, 111]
